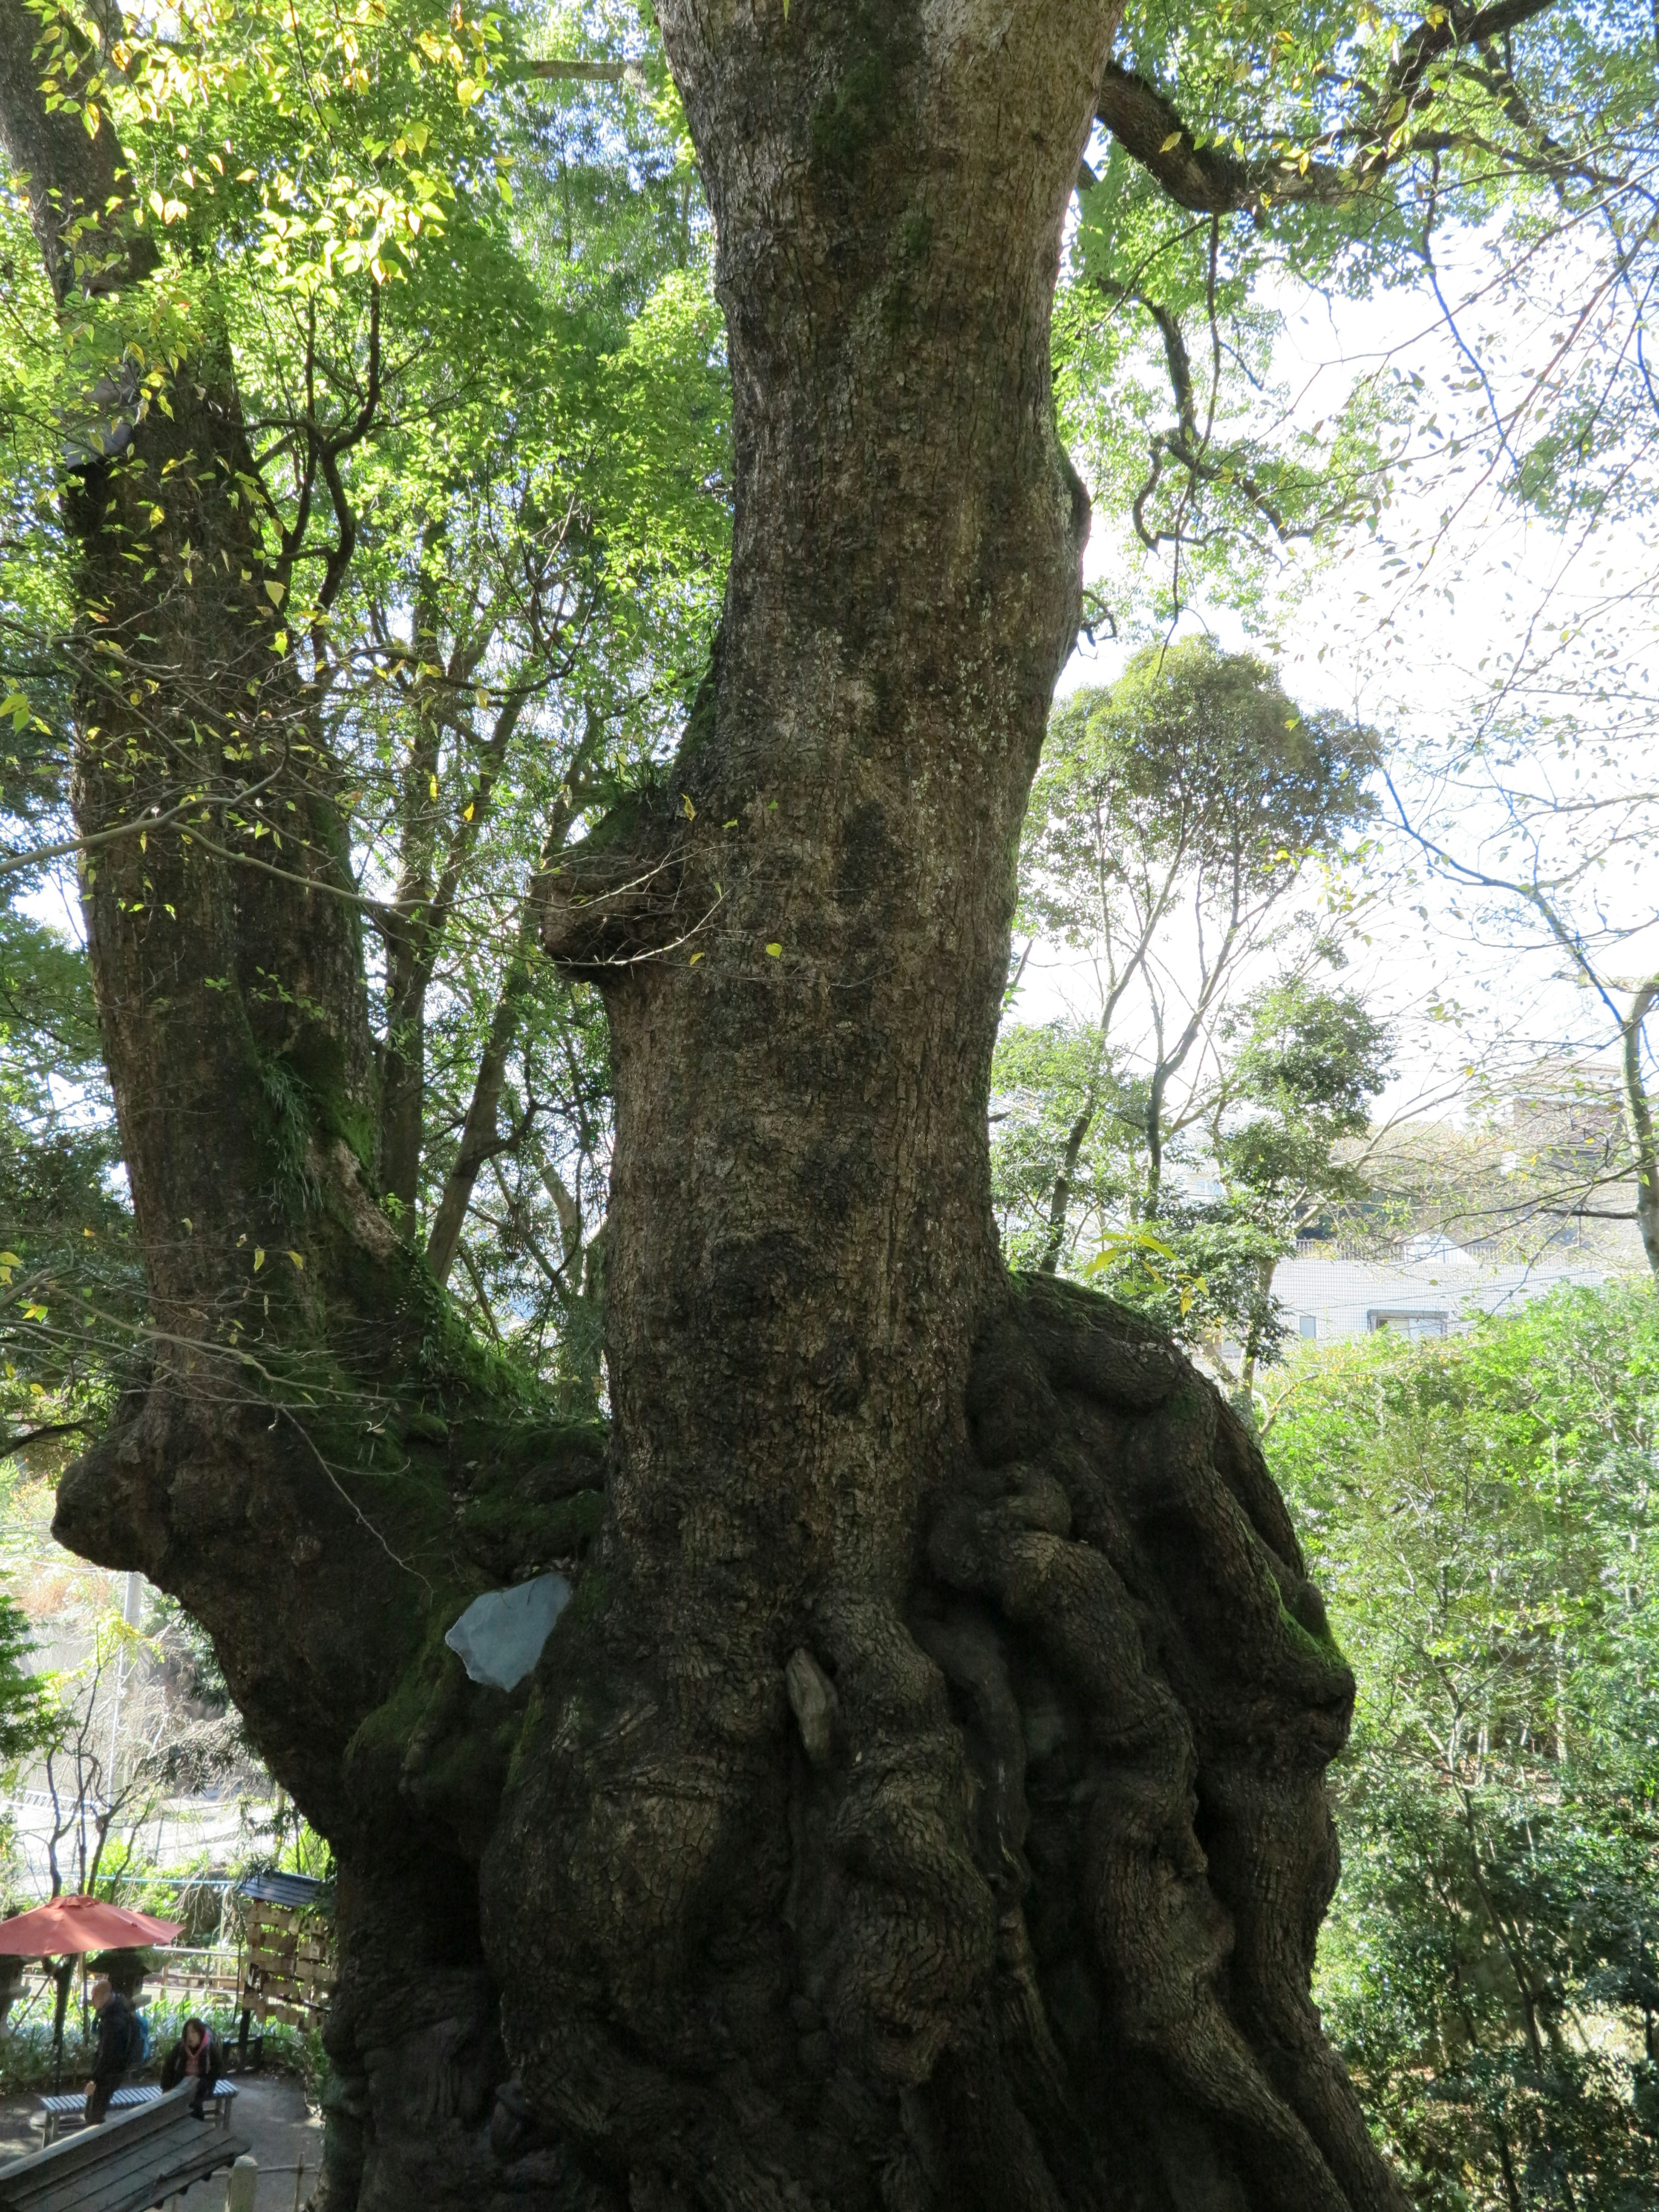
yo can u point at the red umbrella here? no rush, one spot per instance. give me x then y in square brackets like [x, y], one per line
[81, 1923]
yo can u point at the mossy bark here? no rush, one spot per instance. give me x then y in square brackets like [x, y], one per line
[930, 1811]
[922, 1805]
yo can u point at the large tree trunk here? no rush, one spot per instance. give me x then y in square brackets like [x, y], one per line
[925, 1809]
[921, 1806]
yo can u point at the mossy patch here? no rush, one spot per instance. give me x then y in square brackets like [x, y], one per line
[1323, 1647]
[859, 114]
[536, 1532]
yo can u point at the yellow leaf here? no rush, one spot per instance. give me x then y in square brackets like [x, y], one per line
[274, 590]
[10, 1260]
[693, 961]
[775, 951]
[1171, 143]
[432, 787]
[258, 1258]
[687, 808]
[298, 1258]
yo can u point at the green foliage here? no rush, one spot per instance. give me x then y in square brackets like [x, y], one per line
[1193, 772]
[68, 1288]
[1049, 1082]
[1481, 1516]
[487, 302]
[1351, 153]
[26, 1707]
[1172, 825]
[1289, 1108]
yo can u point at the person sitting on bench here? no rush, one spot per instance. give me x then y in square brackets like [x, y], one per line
[196, 2054]
[118, 2048]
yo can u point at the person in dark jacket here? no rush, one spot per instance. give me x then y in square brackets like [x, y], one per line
[118, 2048]
[198, 2055]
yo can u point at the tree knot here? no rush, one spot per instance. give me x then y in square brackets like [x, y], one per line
[618, 898]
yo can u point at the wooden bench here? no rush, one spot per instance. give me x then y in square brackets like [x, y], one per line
[151, 2151]
[71, 2104]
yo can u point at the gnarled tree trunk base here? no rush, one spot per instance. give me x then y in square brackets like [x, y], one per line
[1010, 1901]
[1014, 1903]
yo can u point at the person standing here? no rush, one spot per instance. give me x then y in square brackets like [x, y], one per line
[198, 2055]
[118, 2048]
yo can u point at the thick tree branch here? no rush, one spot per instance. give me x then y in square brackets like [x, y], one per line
[1214, 180]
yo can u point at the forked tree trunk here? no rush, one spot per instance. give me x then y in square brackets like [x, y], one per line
[921, 1806]
[924, 1807]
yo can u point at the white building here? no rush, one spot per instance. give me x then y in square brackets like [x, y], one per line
[1426, 1287]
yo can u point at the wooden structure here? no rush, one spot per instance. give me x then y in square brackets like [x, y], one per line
[288, 1959]
[150, 2153]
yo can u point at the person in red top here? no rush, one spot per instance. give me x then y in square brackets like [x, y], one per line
[196, 2057]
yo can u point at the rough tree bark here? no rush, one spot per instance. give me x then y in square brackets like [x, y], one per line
[925, 1809]
[307, 1453]
[922, 1805]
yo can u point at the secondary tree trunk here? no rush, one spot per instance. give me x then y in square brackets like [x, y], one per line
[308, 1452]
[922, 1805]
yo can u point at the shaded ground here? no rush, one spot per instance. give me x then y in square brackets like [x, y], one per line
[269, 2111]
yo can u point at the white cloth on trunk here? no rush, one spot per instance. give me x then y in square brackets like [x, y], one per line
[500, 1635]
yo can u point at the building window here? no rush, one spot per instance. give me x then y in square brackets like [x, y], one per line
[1307, 1324]
[1418, 1326]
